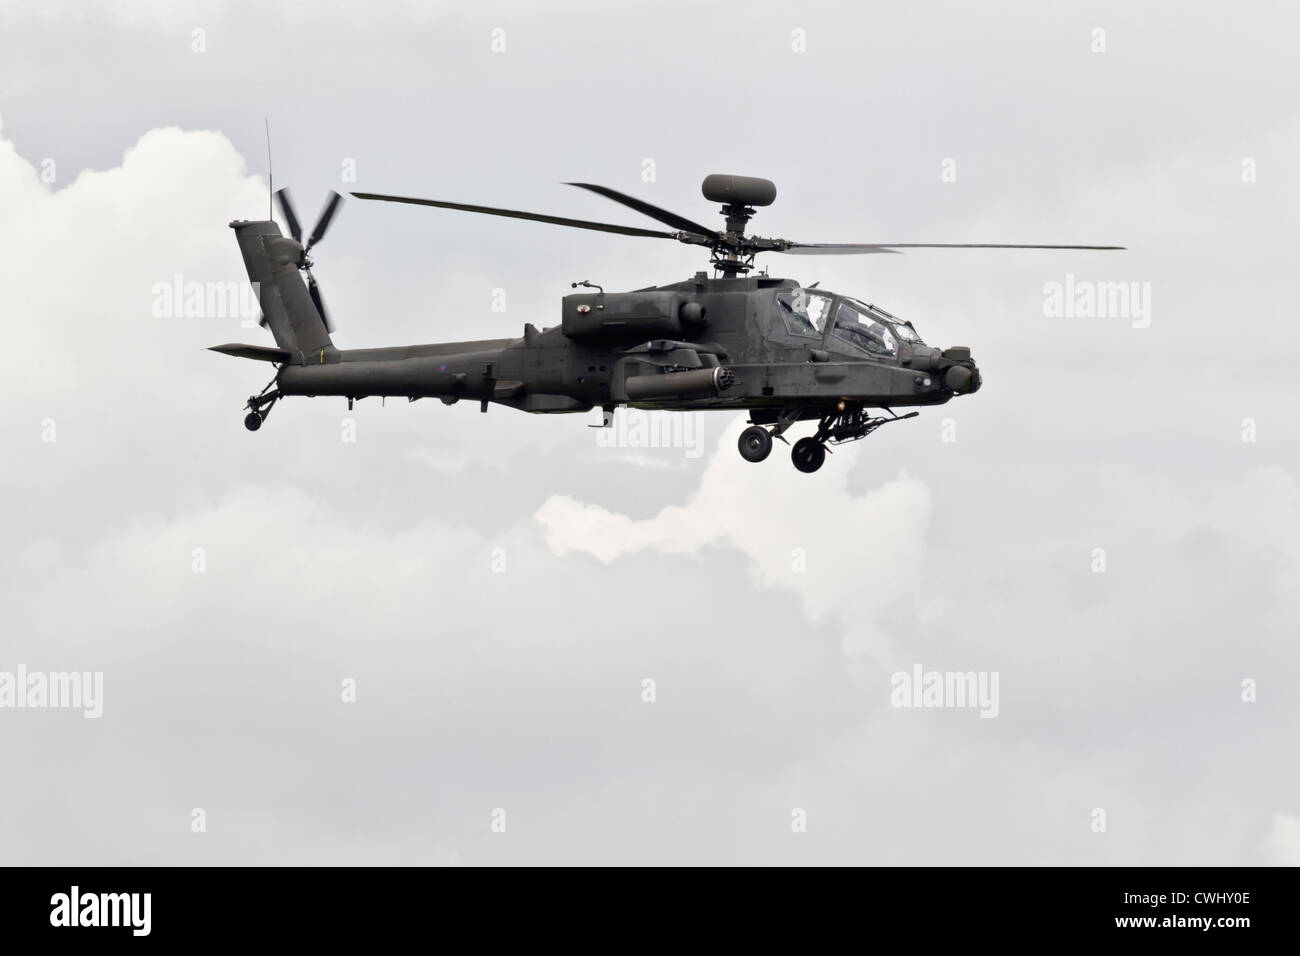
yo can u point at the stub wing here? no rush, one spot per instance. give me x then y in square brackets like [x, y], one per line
[261, 353]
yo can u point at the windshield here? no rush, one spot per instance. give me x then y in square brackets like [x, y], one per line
[859, 323]
[804, 311]
[907, 333]
[855, 325]
[904, 330]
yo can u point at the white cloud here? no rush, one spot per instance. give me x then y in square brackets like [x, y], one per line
[380, 583]
[1284, 839]
[522, 689]
[159, 16]
[850, 557]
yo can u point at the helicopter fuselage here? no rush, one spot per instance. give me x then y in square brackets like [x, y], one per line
[699, 344]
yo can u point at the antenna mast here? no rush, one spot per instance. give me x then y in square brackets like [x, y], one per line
[270, 177]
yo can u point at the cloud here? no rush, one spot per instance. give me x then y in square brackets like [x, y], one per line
[1284, 839]
[847, 556]
[521, 688]
[170, 15]
[769, 607]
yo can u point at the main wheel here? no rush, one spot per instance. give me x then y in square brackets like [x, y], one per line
[808, 454]
[755, 443]
[252, 421]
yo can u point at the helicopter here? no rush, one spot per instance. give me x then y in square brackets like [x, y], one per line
[734, 341]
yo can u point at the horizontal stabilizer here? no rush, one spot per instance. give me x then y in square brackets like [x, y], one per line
[261, 353]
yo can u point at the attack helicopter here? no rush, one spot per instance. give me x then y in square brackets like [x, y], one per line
[734, 341]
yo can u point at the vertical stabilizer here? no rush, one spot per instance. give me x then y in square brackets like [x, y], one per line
[272, 261]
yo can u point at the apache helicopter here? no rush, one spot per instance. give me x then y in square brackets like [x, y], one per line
[769, 346]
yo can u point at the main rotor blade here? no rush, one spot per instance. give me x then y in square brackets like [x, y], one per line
[323, 223]
[860, 248]
[646, 209]
[314, 291]
[286, 209]
[516, 214]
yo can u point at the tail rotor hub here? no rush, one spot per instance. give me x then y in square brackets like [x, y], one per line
[303, 260]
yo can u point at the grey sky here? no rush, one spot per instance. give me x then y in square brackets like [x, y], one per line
[521, 689]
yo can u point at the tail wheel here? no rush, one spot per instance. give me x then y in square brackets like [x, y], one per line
[755, 443]
[808, 454]
[252, 421]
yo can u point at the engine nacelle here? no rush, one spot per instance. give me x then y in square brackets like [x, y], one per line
[627, 316]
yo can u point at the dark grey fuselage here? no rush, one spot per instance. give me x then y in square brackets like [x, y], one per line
[736, 342]
[577, 365]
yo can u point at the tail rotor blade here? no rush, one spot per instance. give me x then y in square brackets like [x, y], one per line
[323, 223]
[286, 209]
[314, 291]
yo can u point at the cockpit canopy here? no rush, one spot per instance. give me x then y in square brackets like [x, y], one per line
[865, 327]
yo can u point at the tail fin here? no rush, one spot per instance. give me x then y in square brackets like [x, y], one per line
[272, 263]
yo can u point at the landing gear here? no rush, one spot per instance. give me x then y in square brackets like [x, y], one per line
[259, 406]
[845, 422]
[808, 454]
[755, 443]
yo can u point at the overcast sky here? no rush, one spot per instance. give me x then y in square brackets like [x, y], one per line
[500, 587]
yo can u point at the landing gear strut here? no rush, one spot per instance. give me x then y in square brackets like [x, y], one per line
[259, 406]
[756, 440]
